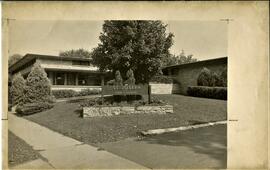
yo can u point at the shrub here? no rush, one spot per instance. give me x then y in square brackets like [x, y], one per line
[64, 93]
[86, 92]
[210, 78]
[223, 77]
[216, 80]
[17, 89]
[71, 93]
[118, 78]
[130, 77]
[208, 92]
[162, 79]
[38, 87]
[31, 108]
[204, 78]
[109, 101]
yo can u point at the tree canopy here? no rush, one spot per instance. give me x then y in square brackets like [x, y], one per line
[14, 58]
[79, 53]
[178, 59]
[137, 45]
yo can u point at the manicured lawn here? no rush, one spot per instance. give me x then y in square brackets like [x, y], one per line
[19, 151]
[65, 118]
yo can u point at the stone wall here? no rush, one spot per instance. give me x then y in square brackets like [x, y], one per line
[125, 110]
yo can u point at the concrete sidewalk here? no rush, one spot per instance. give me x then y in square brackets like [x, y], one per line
[61, 152]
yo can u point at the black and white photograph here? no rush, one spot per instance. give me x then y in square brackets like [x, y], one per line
[118, 93]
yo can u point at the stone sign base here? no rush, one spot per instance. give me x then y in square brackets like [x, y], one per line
[125, 110]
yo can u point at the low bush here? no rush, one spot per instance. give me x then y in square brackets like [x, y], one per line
[86, 92]
[109, 101]
[31, 108]
[208, 92]
[161, 79]
[64, 93]
[71, 93]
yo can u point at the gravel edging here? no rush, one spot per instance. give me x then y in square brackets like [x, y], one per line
[181, 128]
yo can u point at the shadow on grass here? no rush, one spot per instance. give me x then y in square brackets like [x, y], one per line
[211, 141]
[79, 112]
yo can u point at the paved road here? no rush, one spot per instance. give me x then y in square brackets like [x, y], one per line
[197, 148]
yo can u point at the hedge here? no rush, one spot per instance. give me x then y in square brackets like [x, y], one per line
[71, 93]
[208, 92]
[162, 79]
[86, 92]
[64, 93]
[110, 101]
[31, 108]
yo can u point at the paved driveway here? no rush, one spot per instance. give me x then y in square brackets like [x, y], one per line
[197, 148]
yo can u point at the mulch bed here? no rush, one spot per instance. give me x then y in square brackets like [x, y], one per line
[18, 151]
[65, 119]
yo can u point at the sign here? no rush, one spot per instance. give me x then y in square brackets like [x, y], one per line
[125, 90]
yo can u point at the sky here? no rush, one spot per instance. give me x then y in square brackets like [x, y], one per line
[203, 39]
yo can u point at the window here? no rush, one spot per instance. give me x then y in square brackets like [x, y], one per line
[84, 63]
[60, 78]
[71, 79]
[88, 80]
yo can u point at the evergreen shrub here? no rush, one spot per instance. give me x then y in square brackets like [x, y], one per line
[17, 89]
[38, 87]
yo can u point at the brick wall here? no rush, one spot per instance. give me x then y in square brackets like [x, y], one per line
[187, 74]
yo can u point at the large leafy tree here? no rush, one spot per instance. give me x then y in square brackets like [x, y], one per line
[137, 45]
[79, 53]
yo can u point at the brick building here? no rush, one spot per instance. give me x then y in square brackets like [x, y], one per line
[186, 75]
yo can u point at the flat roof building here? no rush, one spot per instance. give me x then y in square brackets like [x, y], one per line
[186, 75]
[63, 72]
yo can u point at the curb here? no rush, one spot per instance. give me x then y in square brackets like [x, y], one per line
[181, 128]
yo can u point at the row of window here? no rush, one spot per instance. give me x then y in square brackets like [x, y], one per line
[62, 78]
[84, 63]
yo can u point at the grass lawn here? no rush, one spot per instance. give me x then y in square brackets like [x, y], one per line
[19, 151]
[65, 118]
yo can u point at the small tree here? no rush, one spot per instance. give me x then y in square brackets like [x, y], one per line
[204, 78]
[130, 77]
[223, 77]
[118, 78]
[17, 89]
[38, 87]
[216, 80]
